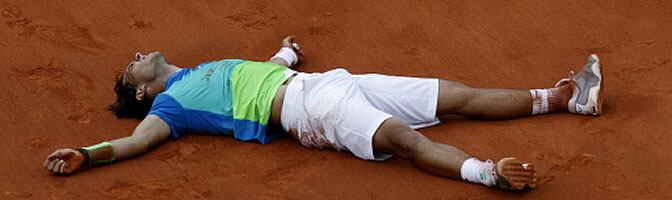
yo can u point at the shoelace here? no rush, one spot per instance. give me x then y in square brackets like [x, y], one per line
[563, 81]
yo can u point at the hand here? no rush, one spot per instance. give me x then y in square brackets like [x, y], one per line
[290, 41]
[64, 161]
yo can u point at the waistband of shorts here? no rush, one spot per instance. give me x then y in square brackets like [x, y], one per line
[292, 105]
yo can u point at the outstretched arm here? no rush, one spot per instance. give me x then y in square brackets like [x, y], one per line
[149, 133]
[290, 54]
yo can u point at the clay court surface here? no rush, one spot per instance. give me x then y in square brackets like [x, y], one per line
[58, 61]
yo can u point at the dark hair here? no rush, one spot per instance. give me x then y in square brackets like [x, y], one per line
[126, 104]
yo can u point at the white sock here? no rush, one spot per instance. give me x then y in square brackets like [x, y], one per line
[476, 171]
[540, 101]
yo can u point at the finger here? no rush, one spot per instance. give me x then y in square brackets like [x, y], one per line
[287, 41]
[47, 166]
[520, 183]
[531, 180]
[519, 174]
[46, 162]
[62, 169]
[54, 155]
[290, 38]
[533, 184]
[515, 169]
[296, 46]
[514, 162]
[51, 164]
[299, 51]
[57, 168]
[58, 165]
[521, 178]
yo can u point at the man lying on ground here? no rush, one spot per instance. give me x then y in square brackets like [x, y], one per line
[371, 115]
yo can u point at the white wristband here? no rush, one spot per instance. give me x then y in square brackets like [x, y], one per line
[288, 55]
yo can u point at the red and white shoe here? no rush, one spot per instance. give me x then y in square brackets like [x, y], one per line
[588, 85]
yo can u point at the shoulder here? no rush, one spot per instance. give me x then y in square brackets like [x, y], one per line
[220, 63]
[165, 101]
[171, 112]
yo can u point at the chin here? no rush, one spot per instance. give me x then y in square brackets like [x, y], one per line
[155, 54]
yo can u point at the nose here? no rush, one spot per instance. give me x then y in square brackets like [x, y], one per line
[138, 56]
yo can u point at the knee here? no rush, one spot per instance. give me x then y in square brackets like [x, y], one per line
[410, 144]
[446, 84]
[398, 138]
[453, 96]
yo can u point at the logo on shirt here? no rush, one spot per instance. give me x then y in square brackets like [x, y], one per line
[208, 74]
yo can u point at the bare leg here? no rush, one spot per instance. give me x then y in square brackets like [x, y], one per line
[457, 98]
[395, 137]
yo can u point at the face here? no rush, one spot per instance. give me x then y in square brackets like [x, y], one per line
[143, 71]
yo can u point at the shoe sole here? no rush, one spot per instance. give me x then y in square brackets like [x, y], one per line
[516, 174]
[595, 93]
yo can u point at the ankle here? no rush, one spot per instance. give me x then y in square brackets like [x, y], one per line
[559, 97]
[551, 99]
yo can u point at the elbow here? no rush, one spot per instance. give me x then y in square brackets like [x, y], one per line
[144, 146]
[141, 145]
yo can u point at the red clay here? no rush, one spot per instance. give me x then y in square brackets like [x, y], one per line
[58, 60]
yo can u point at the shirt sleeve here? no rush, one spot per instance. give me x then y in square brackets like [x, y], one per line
[170, 111]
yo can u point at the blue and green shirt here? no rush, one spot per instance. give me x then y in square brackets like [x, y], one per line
[227, 97]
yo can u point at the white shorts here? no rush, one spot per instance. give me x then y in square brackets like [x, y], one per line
[343, 111]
